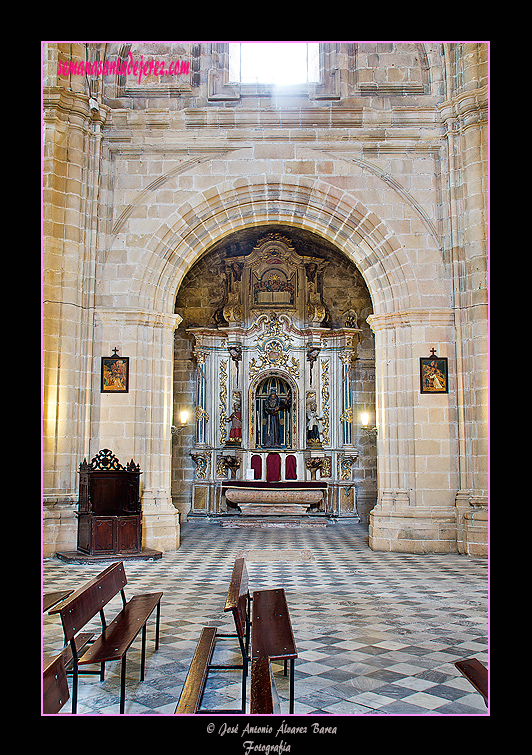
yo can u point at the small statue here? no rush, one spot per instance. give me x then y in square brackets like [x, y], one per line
[235, 434]
[313, 427]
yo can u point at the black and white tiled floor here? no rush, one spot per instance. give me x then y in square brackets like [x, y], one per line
[377, 633]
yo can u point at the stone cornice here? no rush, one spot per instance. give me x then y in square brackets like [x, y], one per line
[142, 317]
[466, 109]
[411, 317]
[58, 101]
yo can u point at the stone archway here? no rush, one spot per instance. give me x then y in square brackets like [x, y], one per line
[408, 314]
[344, 291]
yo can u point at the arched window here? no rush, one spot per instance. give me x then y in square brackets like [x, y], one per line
[279, 63]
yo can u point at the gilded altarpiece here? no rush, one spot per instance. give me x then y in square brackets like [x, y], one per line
[274, 404]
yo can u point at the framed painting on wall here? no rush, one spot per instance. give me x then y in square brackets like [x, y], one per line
[433, 374]
[115, 374]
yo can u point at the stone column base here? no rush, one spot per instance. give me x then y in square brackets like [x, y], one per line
[472, 520]
[60, 525]
[160, 521]
[395, 527]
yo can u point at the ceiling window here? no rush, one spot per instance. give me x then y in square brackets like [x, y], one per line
[277, 63]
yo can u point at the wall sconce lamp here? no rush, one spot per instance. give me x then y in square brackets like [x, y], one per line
[371, 432]
[184, 416]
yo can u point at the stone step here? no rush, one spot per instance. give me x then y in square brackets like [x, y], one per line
[271, 521]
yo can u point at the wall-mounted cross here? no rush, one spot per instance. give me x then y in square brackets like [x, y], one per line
[115, 352]
[433, 352]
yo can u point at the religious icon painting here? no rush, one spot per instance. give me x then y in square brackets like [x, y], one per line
[433, 373]
[115, 374]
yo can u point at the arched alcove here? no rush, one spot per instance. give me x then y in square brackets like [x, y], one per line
[200, 302]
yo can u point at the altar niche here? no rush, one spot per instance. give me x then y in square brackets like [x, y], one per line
[273, 410]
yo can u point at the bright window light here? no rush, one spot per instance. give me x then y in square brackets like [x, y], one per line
[279, 63]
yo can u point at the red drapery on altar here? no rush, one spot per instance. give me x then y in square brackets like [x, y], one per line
[291, 468]
[273, 468]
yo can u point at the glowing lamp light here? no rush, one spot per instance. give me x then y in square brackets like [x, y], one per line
[369, 431]
[184, 416]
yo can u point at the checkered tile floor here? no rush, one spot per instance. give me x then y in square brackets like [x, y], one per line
[377, 633]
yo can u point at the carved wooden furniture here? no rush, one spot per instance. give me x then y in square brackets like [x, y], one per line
[109, 509]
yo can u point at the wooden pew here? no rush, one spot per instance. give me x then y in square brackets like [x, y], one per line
[51, 599]
[200, 666]
[54, 685]
[476, 673]
[238, 601]
[263, 697]
[116, 638]
[272, 635]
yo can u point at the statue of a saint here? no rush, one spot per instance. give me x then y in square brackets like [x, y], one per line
[313, 426]
[272, 408]
[235, 435]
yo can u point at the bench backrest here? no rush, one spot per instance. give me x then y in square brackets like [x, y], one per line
[86, 602]
[238, 596]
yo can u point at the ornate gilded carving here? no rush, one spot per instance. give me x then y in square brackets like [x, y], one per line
[274, 357]
[203, 463]
[347, 415]
[326, 467]
[325, 398]
[223, 400]
[345, 463]
[201, 414]
[274, 326]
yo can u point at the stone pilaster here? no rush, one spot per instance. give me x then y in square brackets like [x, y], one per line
[417, 445]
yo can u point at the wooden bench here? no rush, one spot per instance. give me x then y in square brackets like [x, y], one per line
[194, 686]
[271, 623]
[51, 599]
[116, 638]
[54, 685]
[476, 673]
[263, 696]
[272, 635]
[238, 602]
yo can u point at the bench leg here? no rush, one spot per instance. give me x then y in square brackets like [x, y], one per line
[143, 654]
[292, 664]
[123, 685]
[244, 682]
[75, 687]
[157, 625]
